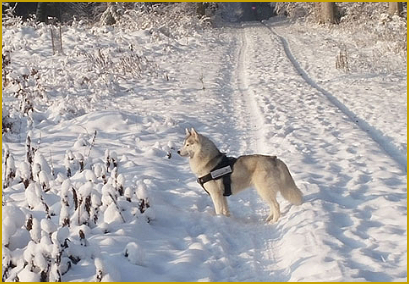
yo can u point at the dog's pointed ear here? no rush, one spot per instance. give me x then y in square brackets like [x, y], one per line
[187, 132]
[194, 133]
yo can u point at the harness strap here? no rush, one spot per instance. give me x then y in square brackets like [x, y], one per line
[227, 185]
[221, 170]
[204, 179]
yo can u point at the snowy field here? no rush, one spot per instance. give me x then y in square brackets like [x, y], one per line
[100, 193]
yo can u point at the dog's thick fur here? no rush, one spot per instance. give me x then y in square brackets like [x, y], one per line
[268, 174]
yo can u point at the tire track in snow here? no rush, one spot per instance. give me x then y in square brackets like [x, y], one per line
[262, 236]
[254, 118]
[375, 134]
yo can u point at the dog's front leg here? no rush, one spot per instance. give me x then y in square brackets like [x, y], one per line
[225, 210]
[220, 204]
[219, 201]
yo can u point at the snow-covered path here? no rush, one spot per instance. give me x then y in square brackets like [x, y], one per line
[341, 166]
[249, 88]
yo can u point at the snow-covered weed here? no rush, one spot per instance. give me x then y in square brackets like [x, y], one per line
[45, 83]
[50, 227]
[8, 16]
[341, 61]
[121, 64]
[23, 90]
[170, 20]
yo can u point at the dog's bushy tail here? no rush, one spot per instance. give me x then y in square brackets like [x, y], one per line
[289, 190]
[292, 194]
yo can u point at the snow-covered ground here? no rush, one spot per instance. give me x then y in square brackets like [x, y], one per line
[127, 96]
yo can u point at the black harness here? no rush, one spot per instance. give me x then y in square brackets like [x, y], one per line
[221, 170]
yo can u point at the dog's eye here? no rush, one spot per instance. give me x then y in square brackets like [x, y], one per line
[187, 144]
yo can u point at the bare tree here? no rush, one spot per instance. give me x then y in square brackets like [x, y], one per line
[395, 8]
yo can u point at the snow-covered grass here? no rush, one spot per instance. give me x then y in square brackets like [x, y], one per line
[93, 189]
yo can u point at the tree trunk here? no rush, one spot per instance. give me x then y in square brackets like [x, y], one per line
[395, 8]
[41, 12]
[200, 9]
[46, 9]
[328, 13]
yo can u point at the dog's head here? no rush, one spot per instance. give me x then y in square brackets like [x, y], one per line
[191, 144]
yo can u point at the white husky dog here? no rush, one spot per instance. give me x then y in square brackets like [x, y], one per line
[267, 174]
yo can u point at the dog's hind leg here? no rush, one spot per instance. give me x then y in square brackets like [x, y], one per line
[265, 189]
[274, 211]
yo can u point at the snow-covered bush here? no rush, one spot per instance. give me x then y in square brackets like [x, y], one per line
[135, 253]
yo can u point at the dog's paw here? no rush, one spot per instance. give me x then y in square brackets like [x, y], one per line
[271, 220]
